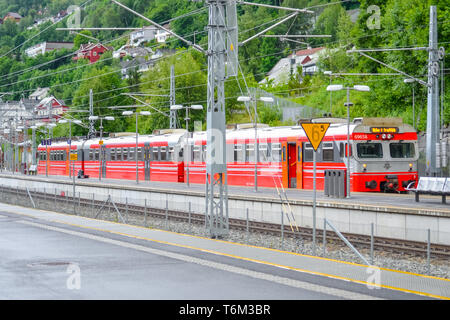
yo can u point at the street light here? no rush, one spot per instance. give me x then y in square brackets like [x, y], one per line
[331, 99]
[95, 118]
[255, 145]
[348, 104]
[142, 113]
[409, 80]
[193, 107]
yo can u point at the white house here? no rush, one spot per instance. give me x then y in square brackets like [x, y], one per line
[42, 48]
[306, 59]
[143, 35]
[39, 94]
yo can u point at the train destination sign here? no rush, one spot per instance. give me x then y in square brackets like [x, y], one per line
[315, 133]
[383, 129]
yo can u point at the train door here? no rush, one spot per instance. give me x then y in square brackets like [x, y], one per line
[292, 164]
[67, 158]
[299, 166]
[103, 164]
[147, 160]
[284, 164]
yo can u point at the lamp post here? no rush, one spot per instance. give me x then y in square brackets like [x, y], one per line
[94, 118]
[142, 113]
[331, 99]
[348, 104]
[188, 153]
[409, 80]
[256, 145]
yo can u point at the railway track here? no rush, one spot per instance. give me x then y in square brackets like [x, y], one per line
[414, 248]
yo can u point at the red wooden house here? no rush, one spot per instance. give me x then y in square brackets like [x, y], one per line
[91, 51]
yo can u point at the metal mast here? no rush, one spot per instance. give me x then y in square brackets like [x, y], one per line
[91, 113]
[216, 166]
[173, 113]
[433, 97]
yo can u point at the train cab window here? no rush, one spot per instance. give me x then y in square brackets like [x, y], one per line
[327, 151]
[250, 152]
[112, 152]
[197, 153]
[125, 154]
[402, 150]
[369, 150]
[276, 152]
[155, 153]
[263, 152]
[308, 152]
[170, 155]
[238, 153]
[163, 153]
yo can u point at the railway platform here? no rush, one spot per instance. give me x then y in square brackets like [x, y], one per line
[331, 278]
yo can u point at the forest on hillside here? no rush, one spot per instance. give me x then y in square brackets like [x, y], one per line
[402, 23]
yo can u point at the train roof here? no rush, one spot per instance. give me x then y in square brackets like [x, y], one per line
[172, 137]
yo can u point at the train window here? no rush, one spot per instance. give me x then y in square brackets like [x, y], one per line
[369, 150]
[327, 151]
[125, 154]
[284, 154]
[263, 155]
[163, 153]
[155, 153]
[250, 152]
[402, 150]
[131, 156]
[170, 154]
[112, 152]
[197, 153]
[276, 152]
[308, 152]
[204, 153]
[342, 152]
[238, 153]
[96, 154]
[139, 154]
[299, 153]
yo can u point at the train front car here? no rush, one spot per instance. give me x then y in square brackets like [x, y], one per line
[385, 153]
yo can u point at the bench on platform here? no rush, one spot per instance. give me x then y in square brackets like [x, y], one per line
[431, 185]
[32, 170]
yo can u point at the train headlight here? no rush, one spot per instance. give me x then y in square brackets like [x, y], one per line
[383, 136]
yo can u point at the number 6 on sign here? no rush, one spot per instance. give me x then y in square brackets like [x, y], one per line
[315, 133]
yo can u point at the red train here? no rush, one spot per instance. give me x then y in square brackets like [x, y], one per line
[383, 156]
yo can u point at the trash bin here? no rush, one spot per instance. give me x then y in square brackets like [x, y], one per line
[334, 184]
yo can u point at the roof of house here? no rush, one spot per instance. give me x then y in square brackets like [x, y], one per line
[90, 46]
[307, 52]
[14, 15]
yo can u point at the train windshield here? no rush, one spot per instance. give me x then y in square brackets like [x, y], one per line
[402, 150]
[369, 150]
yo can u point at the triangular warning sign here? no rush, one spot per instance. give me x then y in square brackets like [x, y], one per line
[315, 133]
